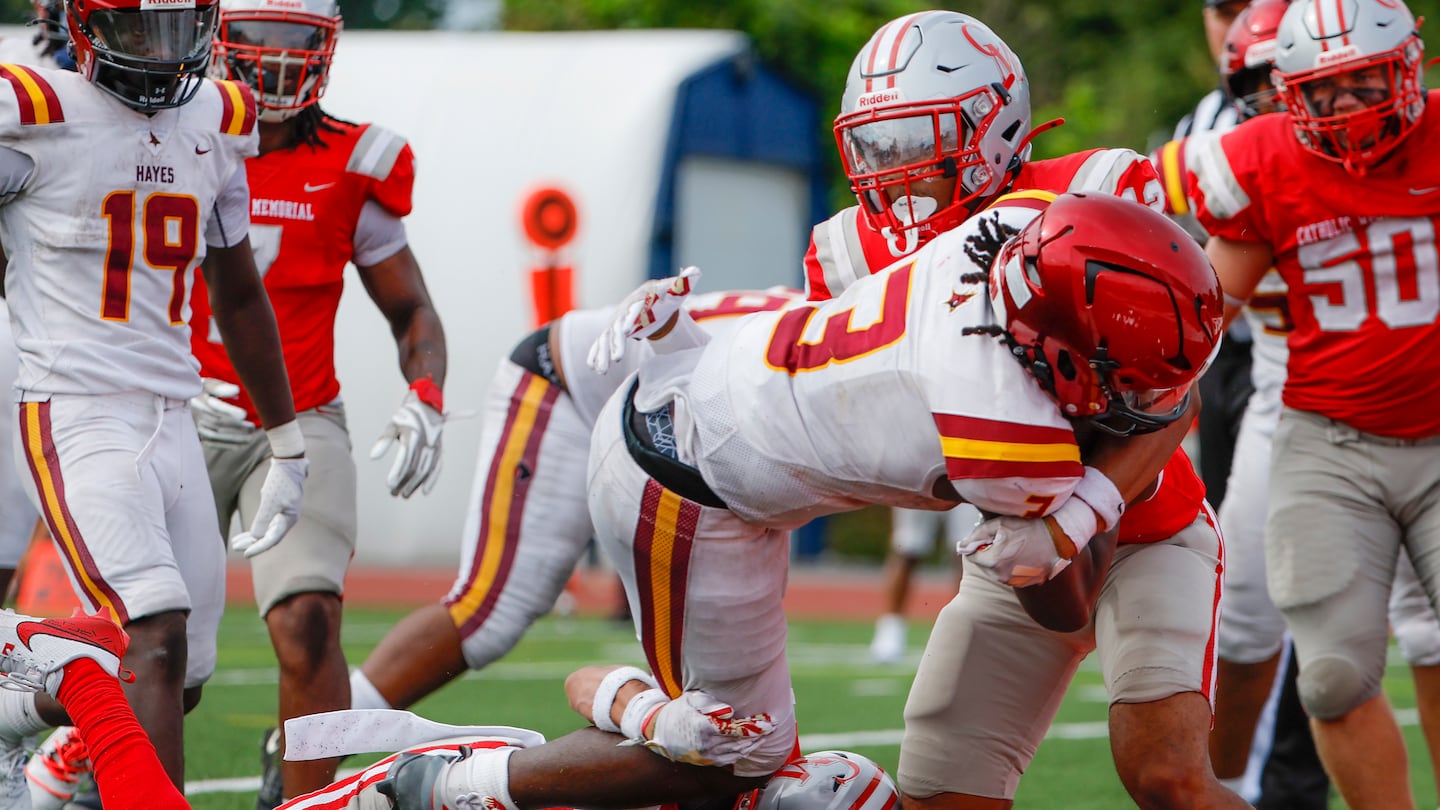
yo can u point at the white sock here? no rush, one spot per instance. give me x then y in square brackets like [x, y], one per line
[18, 716]
[364, 695]
[485, 775]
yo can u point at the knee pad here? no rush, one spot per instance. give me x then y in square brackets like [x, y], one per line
[1331, 686]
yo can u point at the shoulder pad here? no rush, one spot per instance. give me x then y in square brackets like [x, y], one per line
[375, 153]
[36, 99]
[237, 103]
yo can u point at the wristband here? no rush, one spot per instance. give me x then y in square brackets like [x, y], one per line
[606, 691]
[638, 712]
[286, 441]
[429, 393]
[1100, 493]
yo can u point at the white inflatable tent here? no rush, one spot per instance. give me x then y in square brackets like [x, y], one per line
[675, 146]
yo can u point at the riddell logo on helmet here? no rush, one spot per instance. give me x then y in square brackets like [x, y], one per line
[1344, 54]
[879, 97]
[147, 5]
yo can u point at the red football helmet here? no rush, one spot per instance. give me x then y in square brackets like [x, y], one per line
[149, 54]
[281, 48]
[827, 780]
[1249, 55]
[1368, 50]
[1112, 307]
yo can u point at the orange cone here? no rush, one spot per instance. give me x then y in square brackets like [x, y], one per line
[44, 586]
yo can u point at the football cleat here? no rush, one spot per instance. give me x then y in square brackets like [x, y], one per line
[56, 770]
[888, 646]
[272, 789]
[414, 781]
[34, 652]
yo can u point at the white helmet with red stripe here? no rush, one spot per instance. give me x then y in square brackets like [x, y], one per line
[935, 122]
[1351, 73]
[828, 780]
[283, 49]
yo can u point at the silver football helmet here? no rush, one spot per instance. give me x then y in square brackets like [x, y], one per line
[281, 48]
[935, 121]
[828, 780]
[1369, 50]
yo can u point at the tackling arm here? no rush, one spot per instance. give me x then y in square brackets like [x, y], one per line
[1240, 266]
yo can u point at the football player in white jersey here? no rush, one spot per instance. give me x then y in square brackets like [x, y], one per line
[45, 49]
[923, 385]
[118, 182]
[528, 523]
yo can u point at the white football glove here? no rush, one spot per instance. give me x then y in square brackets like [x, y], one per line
[416, 429]
[279, 508]
[1024, 552]
[697, 729]
[643, 312]
[217, 420]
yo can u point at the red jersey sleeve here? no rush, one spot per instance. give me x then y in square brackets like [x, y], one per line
[815, 289]
[1219, 177]
[387, 163]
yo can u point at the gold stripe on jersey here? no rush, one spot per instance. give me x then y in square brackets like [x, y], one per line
[235, 112]
[1008, 451]
[38, 102]
[1027, 198]
[1170, 156]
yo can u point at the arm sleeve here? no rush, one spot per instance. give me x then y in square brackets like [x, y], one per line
[16, 169]
[379, 235]
[230, 220]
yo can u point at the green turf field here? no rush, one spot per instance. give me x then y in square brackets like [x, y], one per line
[844, 702]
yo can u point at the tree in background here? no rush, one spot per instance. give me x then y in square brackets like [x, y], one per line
[1117, 72]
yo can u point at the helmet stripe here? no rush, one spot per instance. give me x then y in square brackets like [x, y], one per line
[888, 39]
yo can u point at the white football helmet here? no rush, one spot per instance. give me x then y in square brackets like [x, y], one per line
[281, 48]
[1319, 40]
[932, 96]
[828, 780]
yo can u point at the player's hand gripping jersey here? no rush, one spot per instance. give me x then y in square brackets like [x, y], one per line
[846, 246]
[1360, 260]
[872, 398]
[101, 300]
[312, 211]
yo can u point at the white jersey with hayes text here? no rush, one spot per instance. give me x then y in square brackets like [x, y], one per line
[871, 398]
[111, 225]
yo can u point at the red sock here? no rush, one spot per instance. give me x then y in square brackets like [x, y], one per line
[127, 770]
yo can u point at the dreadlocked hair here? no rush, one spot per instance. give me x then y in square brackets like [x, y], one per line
[983, 247]
[311, 122]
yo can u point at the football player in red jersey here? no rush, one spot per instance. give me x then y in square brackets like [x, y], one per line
[1341, 194]
[324, 193]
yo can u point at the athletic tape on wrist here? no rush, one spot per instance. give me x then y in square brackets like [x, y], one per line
[286, 441]
[429, 393]
[632, 723]
[1100, 493]
[605, 695]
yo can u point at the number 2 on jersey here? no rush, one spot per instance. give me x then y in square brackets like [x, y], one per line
[170, 224]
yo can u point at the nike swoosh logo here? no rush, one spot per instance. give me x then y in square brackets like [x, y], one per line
[200, 151]
[947, 69]
[1422, 191]
[318, 187]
